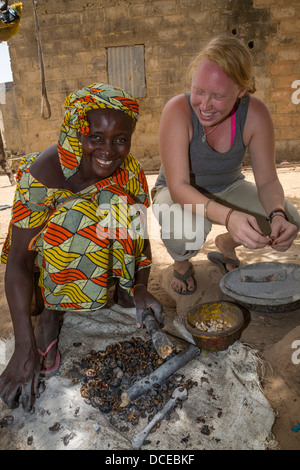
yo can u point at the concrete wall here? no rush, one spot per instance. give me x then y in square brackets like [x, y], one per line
[75, 35]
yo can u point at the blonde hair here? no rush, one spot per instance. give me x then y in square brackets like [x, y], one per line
[232, 56]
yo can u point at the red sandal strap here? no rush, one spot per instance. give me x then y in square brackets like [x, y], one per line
[44, 354]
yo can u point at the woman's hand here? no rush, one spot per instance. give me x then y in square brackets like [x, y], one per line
[244, 230]
[283, 233]
[19, 382]
[143, 300]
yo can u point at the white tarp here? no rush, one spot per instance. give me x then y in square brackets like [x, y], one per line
[229, 400]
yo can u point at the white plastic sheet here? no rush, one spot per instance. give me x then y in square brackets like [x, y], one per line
[227, 401]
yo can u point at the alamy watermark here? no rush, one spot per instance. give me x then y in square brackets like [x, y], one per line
[120, 220]
[296, 354]
[296, 94]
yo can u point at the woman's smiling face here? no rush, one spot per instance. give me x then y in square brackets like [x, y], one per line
[213, 93]
[108, 142]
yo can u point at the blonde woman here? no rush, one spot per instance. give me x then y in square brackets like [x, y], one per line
[203, 139]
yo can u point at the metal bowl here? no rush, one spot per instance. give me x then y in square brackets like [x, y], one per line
[277, 296]
[215, 341]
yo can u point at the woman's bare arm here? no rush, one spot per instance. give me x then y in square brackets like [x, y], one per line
[19, 382]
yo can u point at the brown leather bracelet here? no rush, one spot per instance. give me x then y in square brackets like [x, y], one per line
[227, 218]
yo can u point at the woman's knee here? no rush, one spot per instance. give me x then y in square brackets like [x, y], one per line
[292, 213]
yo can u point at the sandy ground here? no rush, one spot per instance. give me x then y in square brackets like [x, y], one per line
[273, 335]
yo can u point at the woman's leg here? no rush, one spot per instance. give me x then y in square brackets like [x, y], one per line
[183, 234]
[122, 297]
[46, 331]
[37, 305]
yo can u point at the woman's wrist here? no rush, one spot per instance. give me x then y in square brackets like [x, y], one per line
[205, 208]
[277, 212]
[228, 217]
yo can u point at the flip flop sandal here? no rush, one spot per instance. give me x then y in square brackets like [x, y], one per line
[183, 278]
[221, 261]
[54, 369]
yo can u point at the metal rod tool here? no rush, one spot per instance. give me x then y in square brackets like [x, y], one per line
[179, 393]
[159, 375]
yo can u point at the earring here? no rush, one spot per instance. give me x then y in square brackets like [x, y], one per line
[79, 143]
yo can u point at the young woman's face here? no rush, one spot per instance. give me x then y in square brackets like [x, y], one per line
[108, 142]
[213, 93]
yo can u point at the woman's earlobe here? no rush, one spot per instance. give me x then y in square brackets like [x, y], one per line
[243, 92]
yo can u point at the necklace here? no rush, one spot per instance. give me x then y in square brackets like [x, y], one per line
[203, 138]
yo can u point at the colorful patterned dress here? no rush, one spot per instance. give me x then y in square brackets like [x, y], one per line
[88, 240]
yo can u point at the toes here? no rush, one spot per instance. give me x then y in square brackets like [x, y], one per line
[178, 286]
[230, 267]
[191, 285]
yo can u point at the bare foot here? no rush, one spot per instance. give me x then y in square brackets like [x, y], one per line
[182, 286]
[47, 330]
[227, 247]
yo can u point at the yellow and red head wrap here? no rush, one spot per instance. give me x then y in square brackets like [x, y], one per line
[77, 105]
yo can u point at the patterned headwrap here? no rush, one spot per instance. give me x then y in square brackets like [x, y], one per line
[77, 105]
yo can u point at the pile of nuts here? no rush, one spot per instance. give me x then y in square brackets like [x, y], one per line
[107, 374]
[213, 326]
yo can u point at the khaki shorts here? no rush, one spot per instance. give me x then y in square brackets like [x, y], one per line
[184, 236]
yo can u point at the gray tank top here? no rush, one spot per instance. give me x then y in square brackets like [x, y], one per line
[211, 171]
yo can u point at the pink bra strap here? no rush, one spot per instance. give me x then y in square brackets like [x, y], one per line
[233, 122]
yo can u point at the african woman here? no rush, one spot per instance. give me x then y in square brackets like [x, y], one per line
[77, 220]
